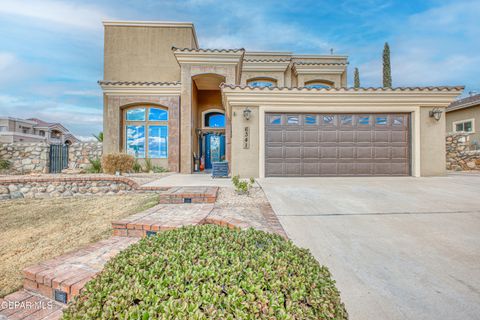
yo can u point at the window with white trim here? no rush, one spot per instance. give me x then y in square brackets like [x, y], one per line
[463, 126]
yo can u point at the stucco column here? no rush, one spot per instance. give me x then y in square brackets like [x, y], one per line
[186, 121]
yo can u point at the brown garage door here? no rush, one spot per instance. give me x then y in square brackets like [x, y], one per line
[337, 145]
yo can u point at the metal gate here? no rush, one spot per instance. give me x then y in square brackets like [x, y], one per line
[58, 158]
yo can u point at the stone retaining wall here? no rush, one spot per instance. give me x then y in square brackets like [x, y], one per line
[26, 157]
[80, 153]
[459, 155]
[33, 157]
[40, 187]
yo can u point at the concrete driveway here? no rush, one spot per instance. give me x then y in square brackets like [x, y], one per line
[399, 248]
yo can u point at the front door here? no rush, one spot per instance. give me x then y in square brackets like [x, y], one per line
[214, 148]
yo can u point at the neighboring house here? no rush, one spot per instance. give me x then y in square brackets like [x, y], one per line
[463, 115]
[266, 113]
[33, 130]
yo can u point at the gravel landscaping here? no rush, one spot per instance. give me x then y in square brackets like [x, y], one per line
[34, 230]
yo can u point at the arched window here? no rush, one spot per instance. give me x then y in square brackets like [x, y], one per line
[214, 120]
[146, 132]
[261, 82]
[318, 84]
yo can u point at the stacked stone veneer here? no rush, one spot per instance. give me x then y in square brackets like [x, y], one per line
[27, 158]
[459, 154]
[45, 187]
[80, 153]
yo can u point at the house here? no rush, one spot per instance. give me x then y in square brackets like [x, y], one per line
[463, 115]
[269, 114]
[33, 130]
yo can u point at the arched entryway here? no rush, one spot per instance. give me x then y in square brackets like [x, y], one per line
[210, 122]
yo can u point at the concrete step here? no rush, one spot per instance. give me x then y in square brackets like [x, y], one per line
[64, 277]
[24, 304]
[161, 217]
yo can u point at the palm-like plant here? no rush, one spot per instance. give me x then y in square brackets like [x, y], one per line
[99, 137]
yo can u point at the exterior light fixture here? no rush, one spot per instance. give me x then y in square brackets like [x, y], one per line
[436, 113]
[247, 113]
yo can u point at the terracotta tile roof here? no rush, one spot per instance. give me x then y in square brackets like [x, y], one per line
[464, 103]
[137, 83]
[207, 50]
[267, 60]
[439, 88]
[300, 63]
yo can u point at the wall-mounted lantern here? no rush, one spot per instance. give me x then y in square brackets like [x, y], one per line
[247, 113]
[436, 113]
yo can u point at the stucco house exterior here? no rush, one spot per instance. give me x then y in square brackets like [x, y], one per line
[268, 114]
[463, 115]
[34, 130]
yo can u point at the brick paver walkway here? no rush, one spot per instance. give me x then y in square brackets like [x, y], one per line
[26, 305]
[161, 217]
[65, 276]
[70, 272]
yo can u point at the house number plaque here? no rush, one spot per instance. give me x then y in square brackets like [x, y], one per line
[246, 138]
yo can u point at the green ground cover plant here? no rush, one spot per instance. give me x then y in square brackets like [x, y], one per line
[211, 272]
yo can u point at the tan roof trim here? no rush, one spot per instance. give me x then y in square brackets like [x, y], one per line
[161, 24]
[140, 87]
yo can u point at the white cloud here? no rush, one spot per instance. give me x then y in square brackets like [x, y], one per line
[81, 120]
[56, 12]
[434, 47]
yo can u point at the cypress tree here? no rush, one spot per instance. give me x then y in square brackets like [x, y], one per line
[356, 79]
[387, 72]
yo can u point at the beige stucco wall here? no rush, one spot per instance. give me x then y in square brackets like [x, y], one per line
[465, 114]
[144, 53]
[432, 144]
[427, 136]
[245, 161]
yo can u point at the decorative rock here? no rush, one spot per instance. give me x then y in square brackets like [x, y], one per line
[16, 195]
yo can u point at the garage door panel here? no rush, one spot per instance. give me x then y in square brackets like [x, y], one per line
[293, 152]
[337, 144]
[346, 152]
[311, 153]
[293, 136]
[310, 136]
[347, 136]
[328, 152]
[399, 136]
[329, 136]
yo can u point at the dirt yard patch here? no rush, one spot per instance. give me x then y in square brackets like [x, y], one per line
[34, 230]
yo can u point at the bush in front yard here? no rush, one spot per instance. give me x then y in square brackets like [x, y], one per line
[210, 272]
[120, 162]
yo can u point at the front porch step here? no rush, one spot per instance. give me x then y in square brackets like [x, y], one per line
[194, 194]
[24, 304]
[161, 217]
[64, 277]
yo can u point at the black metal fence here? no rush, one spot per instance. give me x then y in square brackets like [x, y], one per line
[58, 158]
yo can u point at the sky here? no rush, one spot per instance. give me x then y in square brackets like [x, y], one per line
[51, 52]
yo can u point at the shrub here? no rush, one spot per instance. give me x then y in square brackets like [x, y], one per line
[95, 166]
[210, 272]
[137, 167]
[242, 186]
[114, 162]
[5, 164]
[159, 169]
[148, 165]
